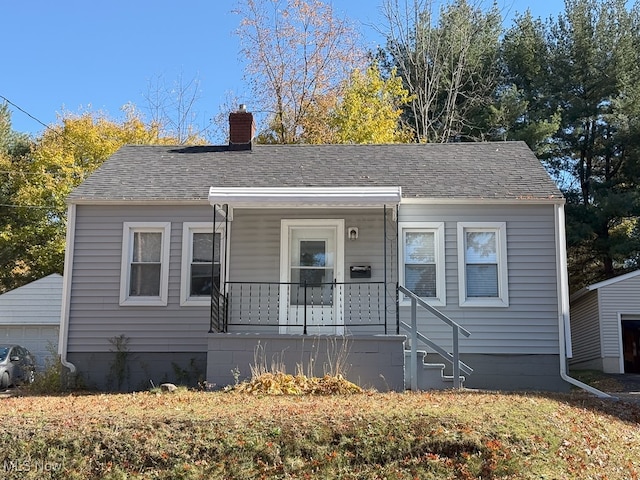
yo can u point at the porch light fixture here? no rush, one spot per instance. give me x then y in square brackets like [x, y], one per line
[352, 233]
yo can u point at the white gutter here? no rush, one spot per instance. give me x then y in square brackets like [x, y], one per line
[305, 196]
[563, 306]
[482, 201]
[66, 289]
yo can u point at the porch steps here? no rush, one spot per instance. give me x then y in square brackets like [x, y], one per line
[430, 376]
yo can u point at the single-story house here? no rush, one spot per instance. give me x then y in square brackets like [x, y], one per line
[605, 325]
[404, 265]
[30, 316]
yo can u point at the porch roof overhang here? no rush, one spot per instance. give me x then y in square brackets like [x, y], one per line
[254, 197]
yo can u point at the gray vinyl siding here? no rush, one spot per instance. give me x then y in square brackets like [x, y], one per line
[621, 297]
[95, 314]
[252, 260]
[254, 255]
[529, 325]
[585, 329]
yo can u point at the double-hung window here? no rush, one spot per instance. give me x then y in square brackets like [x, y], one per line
[144, 274]
[201, 262]
[482, 264]
[422, 260]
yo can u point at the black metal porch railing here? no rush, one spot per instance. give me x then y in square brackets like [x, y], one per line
[302, 308]
[218, 311]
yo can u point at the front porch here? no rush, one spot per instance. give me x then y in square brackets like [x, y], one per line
[336, 328]
[308, 279]
[346, 328]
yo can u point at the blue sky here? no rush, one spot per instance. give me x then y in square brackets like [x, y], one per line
[67, 55]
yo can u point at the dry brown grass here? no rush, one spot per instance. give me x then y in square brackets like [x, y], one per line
[440, 435]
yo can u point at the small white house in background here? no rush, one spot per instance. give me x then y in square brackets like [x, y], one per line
[605, 325]
[30, 316]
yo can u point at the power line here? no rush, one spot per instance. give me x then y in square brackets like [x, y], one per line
[45, 207]
[24, 111]
[49, 174]
[39, 121]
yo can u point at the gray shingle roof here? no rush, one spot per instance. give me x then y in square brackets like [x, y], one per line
[500, 170]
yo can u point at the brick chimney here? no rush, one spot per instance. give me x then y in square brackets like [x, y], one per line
[241, 129]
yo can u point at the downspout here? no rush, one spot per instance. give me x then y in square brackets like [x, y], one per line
[66, 289]
[563, 304]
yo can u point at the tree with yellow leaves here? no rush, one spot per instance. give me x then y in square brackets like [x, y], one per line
[33, 245]
[368, 111]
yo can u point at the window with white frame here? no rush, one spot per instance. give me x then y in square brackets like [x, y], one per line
[422, 265]
[482, 264]
[201, 262]
[144, 274]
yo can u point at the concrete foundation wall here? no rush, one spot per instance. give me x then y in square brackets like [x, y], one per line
[102, 371]
[511, 372]
[611, 365]
[369, 361]
[595, 364]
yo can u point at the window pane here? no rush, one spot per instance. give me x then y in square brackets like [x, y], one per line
[201, 279]
[312, 253]
[421, 279]
[145, 280]
[202, 253]
[419, 247]
[202, 248]
[481, 247]
[147, 246]
[482, 281]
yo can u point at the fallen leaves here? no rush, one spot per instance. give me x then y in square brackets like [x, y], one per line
[257, 435]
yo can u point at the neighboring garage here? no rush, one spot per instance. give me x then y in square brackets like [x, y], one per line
[605, 325]
[30, 316]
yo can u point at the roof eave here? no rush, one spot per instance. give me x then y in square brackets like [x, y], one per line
[551, 200]
[403, 201]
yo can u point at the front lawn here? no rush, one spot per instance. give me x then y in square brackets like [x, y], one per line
[200, 435]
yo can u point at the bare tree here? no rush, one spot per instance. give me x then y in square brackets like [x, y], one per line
[220, 121]
[297, 51]
[173, 108]
[448, 61]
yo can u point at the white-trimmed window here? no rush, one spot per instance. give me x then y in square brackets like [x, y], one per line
[422, 266]
[144, 274]
[482, 264]
[202, 250]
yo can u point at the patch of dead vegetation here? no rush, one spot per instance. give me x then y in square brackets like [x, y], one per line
[286, 384]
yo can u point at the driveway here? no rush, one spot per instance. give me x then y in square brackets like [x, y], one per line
[631, 388]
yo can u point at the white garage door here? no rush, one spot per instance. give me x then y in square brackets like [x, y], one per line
[40, 340]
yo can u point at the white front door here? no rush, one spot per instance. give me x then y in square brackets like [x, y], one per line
[312, 272]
